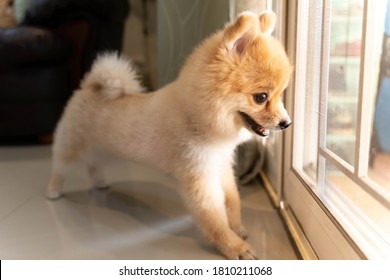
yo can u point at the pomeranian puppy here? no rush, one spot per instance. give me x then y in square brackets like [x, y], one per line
[228, 90]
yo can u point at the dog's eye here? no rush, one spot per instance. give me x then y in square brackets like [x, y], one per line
[260, 98]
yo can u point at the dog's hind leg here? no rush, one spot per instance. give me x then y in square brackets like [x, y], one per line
[56, 182]
[63, 159]
[95, 168]
[95, 172]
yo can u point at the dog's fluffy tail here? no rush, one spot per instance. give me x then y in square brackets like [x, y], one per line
[112, 76]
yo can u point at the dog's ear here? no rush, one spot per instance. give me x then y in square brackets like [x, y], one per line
[241, 32]
[267, 22]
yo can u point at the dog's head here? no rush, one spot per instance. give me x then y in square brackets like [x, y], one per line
[251, 70]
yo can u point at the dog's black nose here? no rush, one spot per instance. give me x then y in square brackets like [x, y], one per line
[284, 124]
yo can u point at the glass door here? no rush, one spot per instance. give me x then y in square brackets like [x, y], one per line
[337, 162]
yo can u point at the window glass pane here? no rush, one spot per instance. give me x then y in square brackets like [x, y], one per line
[343, 87]
[310, 140]
[272, 164]
[359, 213]
[379, 168]
[357, 197]
[307, 86]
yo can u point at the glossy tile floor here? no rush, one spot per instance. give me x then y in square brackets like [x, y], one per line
[139, 217]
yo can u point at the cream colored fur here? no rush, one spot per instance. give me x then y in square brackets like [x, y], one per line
[189, 128]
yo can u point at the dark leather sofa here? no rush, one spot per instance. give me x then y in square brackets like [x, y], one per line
[43, 59]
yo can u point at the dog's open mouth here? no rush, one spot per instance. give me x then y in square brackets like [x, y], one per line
[257, 128]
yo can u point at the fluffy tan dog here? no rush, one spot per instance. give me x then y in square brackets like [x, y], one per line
[230, 86]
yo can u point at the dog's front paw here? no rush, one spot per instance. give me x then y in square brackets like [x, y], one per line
[238, 250]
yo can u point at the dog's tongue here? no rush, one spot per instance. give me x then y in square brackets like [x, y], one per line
[263, 132]
[256, 128]
[259, 130]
